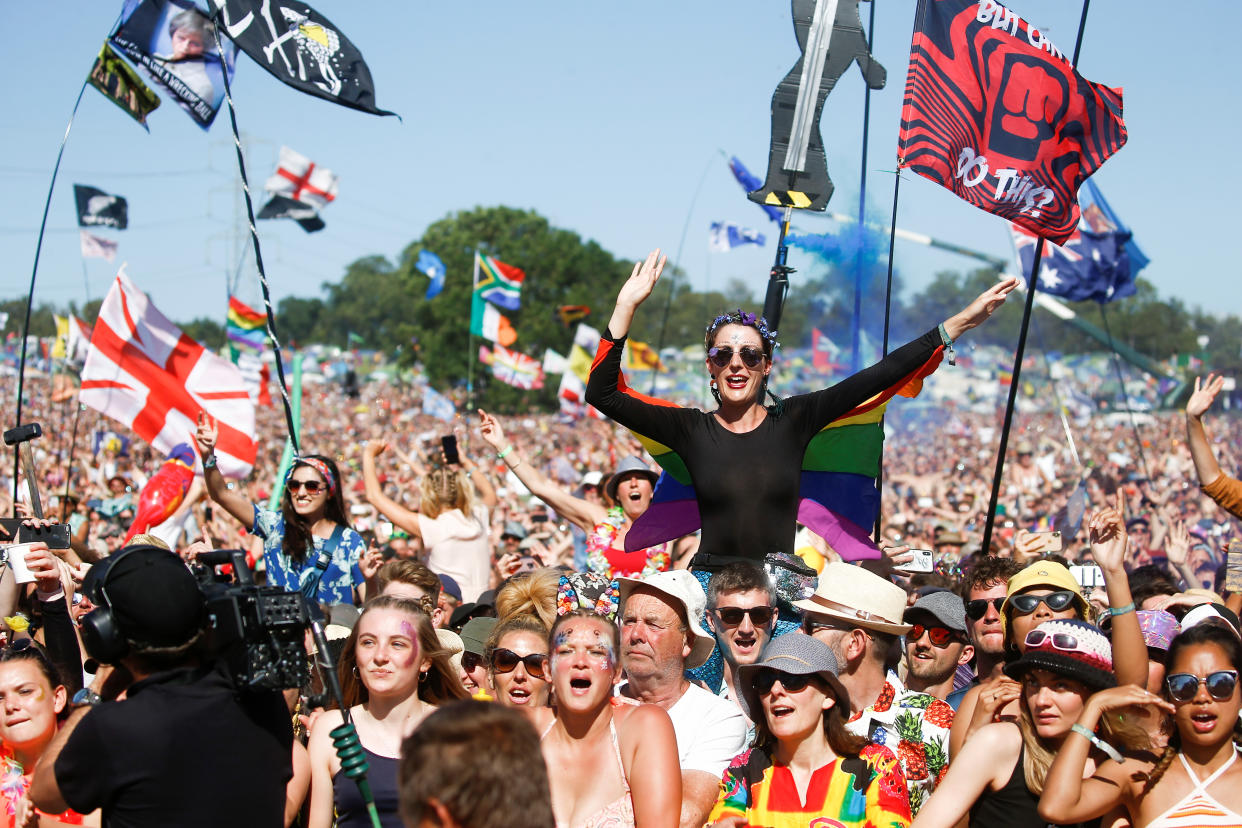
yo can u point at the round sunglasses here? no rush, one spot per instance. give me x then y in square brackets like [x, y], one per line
[1055, 601]
[722, 355]
[732, 616]
[1183, 687]
[506, 661]
[792, 682]
[940, 636]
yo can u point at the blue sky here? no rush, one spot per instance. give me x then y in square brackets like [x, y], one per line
[604, 118]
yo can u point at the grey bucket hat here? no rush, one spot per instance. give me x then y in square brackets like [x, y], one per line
[629, 465]
[799, 655]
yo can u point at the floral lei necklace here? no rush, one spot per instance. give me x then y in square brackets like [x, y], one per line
[600, 540]
[13, 785]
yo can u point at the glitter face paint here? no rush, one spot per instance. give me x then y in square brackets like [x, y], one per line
[408, 630]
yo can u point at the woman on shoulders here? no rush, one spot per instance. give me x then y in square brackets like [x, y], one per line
[308, 545]
[745, 460]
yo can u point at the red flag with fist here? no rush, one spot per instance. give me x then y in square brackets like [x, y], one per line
[996, 113]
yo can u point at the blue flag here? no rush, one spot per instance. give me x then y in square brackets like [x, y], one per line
[749, 184]
[1091, 266]
[726, 235]
[430, 264]
[437, 405]
[1101, 218]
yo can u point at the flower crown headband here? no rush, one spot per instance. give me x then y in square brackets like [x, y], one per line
[750, 320]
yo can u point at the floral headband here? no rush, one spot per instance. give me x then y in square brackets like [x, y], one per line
[750, 320]
[588, 591]
[317, 465]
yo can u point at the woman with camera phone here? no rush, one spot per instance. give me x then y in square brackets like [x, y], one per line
[308, 546]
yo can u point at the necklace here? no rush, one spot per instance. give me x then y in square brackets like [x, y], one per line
[604, 534]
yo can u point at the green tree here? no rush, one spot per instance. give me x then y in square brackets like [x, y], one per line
[205, 330]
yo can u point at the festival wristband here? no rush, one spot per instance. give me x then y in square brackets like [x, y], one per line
[209, 462]
[504, 452]
[949, 353]
[1114, 612]
[1112, 752]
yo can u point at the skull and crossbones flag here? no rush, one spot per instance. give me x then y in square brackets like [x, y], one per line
[996, 113]
[301, 48]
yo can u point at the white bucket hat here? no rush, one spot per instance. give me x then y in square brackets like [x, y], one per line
[858, 598]
[685, 589]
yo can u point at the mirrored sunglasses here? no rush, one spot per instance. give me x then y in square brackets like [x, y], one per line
[1183, 687]
[1055, 601]
[759, 616]
[722, 355]
[978, 608]
[940, 636]
[791, 682]
[506, 661]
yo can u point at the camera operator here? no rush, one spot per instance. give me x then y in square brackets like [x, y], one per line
[184, 747]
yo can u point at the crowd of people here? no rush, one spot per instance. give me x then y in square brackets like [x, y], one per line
[504, 656]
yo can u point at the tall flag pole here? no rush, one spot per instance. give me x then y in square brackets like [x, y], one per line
[258, 257]
[855, 360]
[34, 272]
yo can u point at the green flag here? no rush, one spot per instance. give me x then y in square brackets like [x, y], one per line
[120, 84]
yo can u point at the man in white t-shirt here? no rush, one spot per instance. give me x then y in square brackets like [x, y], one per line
[661, 638]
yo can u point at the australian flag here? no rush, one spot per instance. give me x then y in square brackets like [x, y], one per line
[1097, 263]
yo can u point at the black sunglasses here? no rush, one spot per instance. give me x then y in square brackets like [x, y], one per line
[506, 661]
[311, 486]
[722, 355]
[978, 607]
[1183, 687]
[792, 682]
[471, 661]
[759, 616]
[1055, 601]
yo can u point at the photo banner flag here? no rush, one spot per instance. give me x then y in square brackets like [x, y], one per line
[119, 83]
[302, 48]
[175, 44]
[994, 112]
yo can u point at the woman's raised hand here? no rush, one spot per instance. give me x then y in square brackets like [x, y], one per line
[1127, 695]
[206, 435]
[1203, 396]
[977, 312]
[374, 448]
[642, 280]
[1107, 531]
[491, 431]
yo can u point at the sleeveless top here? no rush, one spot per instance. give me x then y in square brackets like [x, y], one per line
[1014, 805]
[351, 811]
[616, 814]
[1199, 809]
[612, 561]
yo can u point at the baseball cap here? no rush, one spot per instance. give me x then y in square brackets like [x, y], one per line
[152, 594]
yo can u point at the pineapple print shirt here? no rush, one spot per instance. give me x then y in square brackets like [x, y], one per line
[915, 727]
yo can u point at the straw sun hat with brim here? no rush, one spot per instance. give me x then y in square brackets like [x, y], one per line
[682, 588]
[798, 655]
[857, 598]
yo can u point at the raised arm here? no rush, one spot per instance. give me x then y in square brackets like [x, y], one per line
[1067, 797]
[978, 311]
[388, 507]
[634, 292]
[233, 502]
[579, 512]
[1196, 437]
[487, 493]
[1107, 530]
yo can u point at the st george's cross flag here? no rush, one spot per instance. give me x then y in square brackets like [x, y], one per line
[298, 178]
[995, 113]
[143, 372]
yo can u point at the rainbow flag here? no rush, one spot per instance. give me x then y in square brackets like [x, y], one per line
[838, 499]
[246, 328]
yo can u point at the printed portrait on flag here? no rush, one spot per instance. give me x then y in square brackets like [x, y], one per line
[175, 44]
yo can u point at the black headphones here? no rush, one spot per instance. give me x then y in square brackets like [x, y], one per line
[101, 635]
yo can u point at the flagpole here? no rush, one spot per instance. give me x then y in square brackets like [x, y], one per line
[254, 239]
[471, 356]
[1031, 288]
[778, 277]
[856, 360]
[21, 365]
[888, 306]
[1125, 397]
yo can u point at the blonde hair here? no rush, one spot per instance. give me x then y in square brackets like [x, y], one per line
[530, 593]
[445, 489]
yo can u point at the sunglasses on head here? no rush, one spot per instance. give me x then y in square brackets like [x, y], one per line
[311, 486]
[1183, 687]
[722, 355]
[792, 682]
[506, 661]
[759, 616]
[1060, 641]
[978, 607]
[940, 636]
[1055, 601]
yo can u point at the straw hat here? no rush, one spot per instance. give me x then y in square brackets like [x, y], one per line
[859, 598]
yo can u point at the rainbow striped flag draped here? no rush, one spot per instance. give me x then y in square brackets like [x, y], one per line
[837, 498]
[246, 329]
